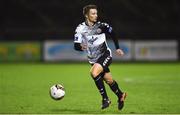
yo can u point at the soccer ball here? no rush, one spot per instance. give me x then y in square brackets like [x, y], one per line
[57, 92]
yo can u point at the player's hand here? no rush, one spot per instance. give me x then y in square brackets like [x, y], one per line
[83, 46]
[119, 52]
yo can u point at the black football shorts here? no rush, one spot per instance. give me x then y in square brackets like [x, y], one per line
[105, 60]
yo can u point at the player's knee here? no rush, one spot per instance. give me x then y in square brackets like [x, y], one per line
[94, 73]
[109, 81]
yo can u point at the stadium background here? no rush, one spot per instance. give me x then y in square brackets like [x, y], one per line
[34, 32]
[132, 20]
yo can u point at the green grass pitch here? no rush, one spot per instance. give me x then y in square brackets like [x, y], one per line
[151, 88]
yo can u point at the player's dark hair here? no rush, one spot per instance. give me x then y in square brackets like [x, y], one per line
[87, 8]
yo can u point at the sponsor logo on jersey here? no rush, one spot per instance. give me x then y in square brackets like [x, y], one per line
[92, 40]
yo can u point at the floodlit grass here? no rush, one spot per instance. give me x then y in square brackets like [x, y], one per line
[151, 88]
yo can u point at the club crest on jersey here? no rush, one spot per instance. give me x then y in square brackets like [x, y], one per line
[92, 40]
[99, 31]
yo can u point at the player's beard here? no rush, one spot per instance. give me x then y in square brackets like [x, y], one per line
[91, 21]
[95, 21]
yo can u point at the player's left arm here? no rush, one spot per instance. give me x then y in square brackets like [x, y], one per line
[109, 30]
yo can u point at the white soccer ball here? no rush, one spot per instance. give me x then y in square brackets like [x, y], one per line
[57, 92]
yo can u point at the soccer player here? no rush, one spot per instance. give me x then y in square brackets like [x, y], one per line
[90, 36]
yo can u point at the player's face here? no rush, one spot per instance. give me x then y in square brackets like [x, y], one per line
[92, 15]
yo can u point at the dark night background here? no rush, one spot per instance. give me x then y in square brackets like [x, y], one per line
[57, 19]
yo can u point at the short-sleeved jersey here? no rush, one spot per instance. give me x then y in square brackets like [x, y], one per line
[95, 39]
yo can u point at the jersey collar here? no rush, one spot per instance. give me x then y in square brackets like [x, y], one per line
[88, 25]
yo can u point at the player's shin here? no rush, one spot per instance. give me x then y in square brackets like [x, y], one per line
[100, 85]
[115, 88]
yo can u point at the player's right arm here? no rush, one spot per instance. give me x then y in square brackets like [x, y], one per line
[80, 47]
[78, 40]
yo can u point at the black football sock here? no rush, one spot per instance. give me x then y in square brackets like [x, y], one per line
[100, 85]
[115, 88]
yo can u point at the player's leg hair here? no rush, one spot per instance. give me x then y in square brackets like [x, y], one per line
[97, 75]
[112, 84]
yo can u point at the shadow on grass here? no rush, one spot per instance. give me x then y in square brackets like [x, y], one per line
[77, 111]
